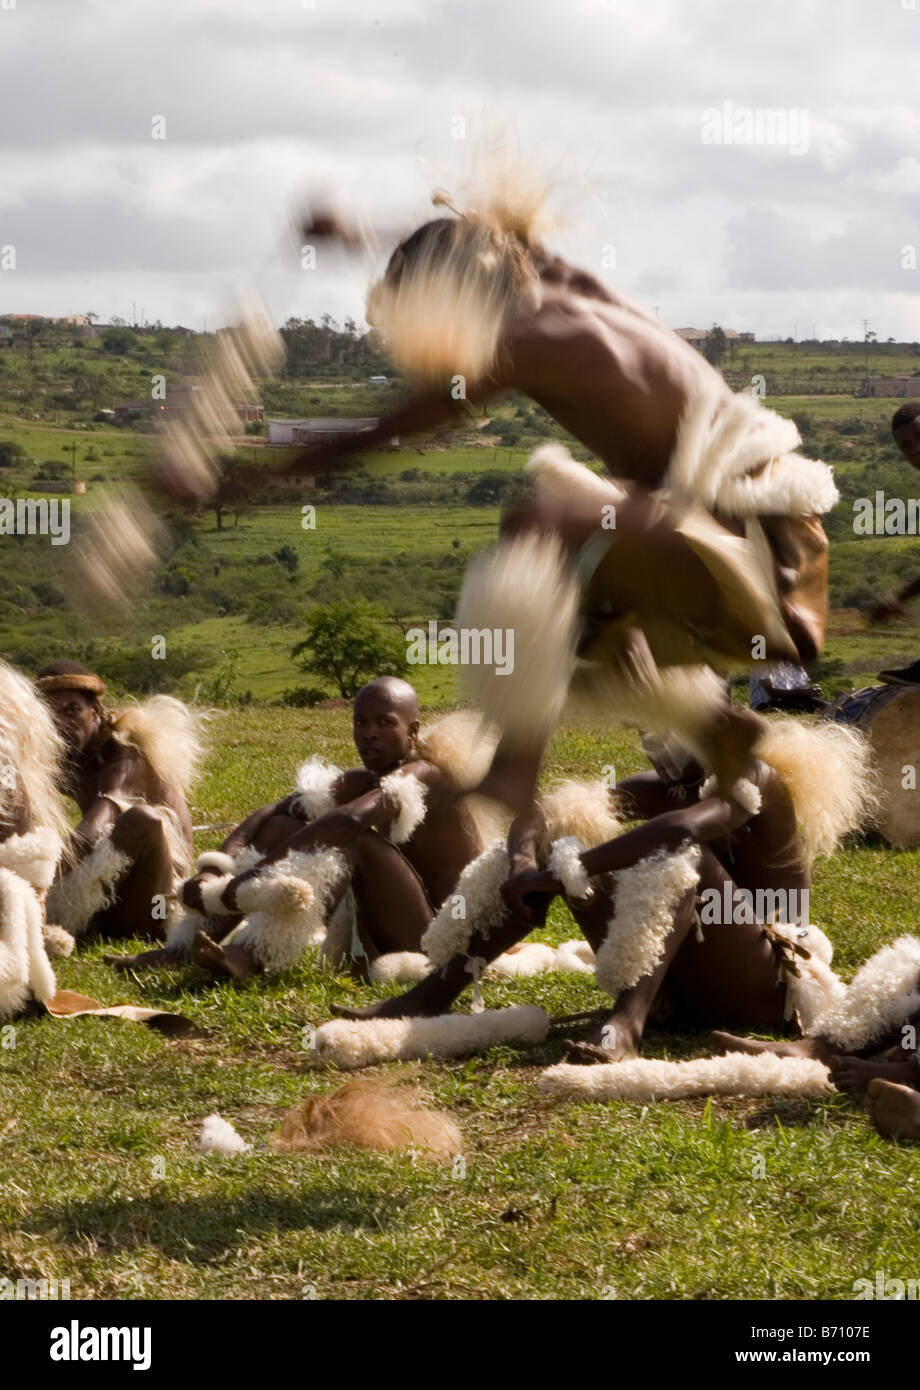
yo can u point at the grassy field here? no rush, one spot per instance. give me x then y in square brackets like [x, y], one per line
[101, 1182]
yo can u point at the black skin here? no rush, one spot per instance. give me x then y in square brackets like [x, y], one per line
[97, 769]
[733, 972]
[397, 891]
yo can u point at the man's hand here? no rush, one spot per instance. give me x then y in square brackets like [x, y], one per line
[524, 883]
[888, 609]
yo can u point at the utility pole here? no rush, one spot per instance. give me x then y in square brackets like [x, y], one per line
[865, 324]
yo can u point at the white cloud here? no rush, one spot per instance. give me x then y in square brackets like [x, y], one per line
[266, 98]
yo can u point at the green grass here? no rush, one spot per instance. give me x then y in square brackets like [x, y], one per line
[101, 1183]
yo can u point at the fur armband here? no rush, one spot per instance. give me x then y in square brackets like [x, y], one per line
[646, 896]
[217, 861]
[565, 864]
[474, 905]
[315, 781]
[211, 891]
[362, 1043]
[408, 795]
[743, 793]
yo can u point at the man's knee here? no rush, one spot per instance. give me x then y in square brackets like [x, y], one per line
[138, 829]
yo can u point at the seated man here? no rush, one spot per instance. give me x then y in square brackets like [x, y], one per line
[377, 849]
[33, 831]
[637, 897]
[128, 771]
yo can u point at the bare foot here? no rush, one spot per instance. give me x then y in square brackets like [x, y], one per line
[853, 1074]
[614, 1042]
[222, 960]
[145, 960]
[895, 1110]
[817, 1048]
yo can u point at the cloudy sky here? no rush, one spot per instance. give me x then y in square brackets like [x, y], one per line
[649, 115]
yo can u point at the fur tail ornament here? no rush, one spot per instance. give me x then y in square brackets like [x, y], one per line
[351, 1043]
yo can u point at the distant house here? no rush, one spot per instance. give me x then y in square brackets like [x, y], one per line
[698, 337]
[298, 432]
[378, 381]
[890, 386]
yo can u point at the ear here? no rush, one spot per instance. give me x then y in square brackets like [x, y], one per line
[413, 729]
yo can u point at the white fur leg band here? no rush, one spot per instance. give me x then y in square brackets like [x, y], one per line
[352, 1043]
[525, 591]
[565, 864]
[407, 793]
[286, 906]
[216, 860]
[211, 891]
[89, 888]
[474, 905]
[647, 1079]
[646, 896]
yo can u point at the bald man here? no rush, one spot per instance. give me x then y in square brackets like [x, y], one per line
[399, 834]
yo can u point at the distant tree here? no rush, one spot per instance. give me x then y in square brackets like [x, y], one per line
[715, 346]
[11, 453]
[348, 644]
[117, 340]
[287, 556]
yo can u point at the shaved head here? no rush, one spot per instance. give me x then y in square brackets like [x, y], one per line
[398, 693]
[385, 723]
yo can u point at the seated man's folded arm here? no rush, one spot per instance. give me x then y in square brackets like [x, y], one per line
[711, 819]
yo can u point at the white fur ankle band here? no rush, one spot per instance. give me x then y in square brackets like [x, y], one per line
[182, 932]
[211, 891]
[646, 896]
[352, 1043]
[474, 905]
[407, 794]
[216, 860]
[647, 1079]
[565, 864]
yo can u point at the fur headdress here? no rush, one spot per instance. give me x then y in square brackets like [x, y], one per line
[451, 287]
